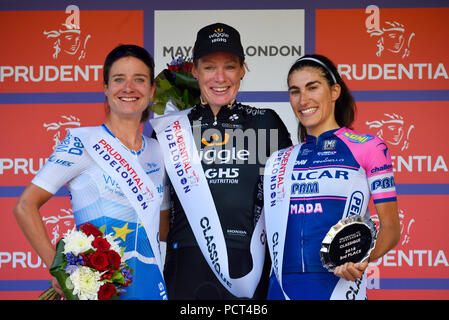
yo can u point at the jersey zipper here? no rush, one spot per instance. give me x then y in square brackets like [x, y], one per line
[215, 121]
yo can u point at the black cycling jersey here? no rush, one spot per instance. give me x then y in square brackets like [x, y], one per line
[233, 147]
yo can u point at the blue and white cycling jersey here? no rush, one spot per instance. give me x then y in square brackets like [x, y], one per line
[96, 198]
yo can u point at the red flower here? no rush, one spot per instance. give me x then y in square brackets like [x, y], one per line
[89, 229]
[187, 67]
[101, 244]
[114, 259]
[106, 291]
[173, 68]
[99, 260]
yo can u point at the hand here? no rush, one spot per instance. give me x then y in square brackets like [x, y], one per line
[57, 287]
[351, 271]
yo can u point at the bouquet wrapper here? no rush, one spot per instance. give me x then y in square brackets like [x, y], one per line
[58, 272]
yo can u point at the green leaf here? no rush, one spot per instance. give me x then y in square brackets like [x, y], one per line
[180, 87]
[165, 84]
[58, 272]
[118, 277]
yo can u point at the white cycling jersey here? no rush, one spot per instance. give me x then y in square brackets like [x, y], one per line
[96, 198]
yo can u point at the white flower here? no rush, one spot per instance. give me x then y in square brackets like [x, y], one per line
[114, 243]
[77, 242]
[86, 283]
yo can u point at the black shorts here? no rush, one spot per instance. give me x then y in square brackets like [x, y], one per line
[189, 277]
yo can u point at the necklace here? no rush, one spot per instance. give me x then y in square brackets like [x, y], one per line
[134, 152]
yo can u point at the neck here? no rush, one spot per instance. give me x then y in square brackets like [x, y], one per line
[127, 131]
[215, 109]
[318, 131]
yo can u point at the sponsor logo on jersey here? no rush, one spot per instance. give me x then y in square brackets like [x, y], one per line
[357, 138]
[305, 188]
[59, 161]
[329, 144]
[355, 204]
[306, 208]
[320, 174]
[383, 183]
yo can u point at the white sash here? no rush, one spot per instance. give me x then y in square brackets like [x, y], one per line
[187, 176]
[138, 188]
[277, 190]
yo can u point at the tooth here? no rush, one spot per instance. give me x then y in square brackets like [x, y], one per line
[310, 110]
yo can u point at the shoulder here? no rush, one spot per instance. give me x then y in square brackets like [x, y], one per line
[72, 144]
[152, 149]
[264, 117]
[151, 143]
[76, 135]
[369, 150]
[195, 112]
[83, 130]
[361, 140]
[252, 111]
[286, 152]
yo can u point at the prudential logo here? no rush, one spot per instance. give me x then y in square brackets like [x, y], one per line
[69, 38]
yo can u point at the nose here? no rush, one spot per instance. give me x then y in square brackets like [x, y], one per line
[220, 75]
[303, 99]
[128, 86]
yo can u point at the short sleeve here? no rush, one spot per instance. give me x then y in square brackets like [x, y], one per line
[272, 121]
[379, 172]
[66, 162]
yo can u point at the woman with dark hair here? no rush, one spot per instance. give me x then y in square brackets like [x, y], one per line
[330, 175]
[90, 158]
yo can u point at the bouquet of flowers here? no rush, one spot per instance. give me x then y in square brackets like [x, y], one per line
[88, 265]
[176, 83]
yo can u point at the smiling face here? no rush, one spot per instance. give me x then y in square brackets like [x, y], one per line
[219, 76]
[129, 88]
[313, 100]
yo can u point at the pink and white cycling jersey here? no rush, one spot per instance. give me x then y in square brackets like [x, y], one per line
[334, 176]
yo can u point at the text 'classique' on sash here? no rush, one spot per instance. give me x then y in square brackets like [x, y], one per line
[277, 186]
[135, 184]
[187, 176]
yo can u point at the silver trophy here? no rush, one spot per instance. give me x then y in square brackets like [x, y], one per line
[350, 240]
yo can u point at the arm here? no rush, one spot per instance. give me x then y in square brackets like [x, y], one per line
[26, 212]
[387, 237]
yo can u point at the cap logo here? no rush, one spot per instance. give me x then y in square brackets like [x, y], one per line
[219, 36]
